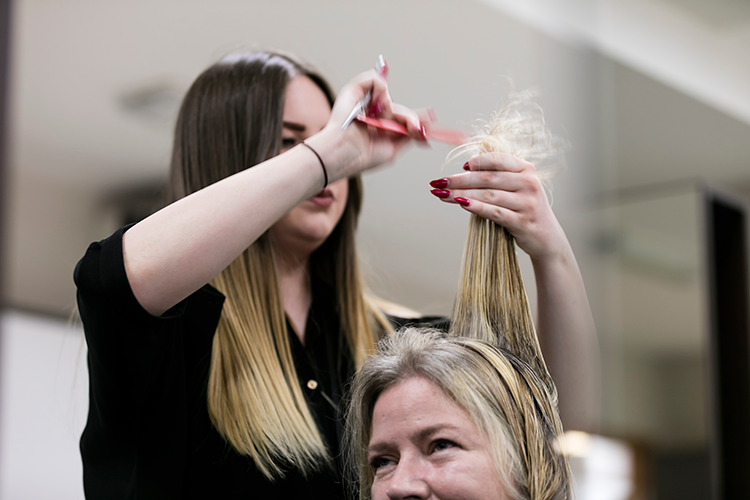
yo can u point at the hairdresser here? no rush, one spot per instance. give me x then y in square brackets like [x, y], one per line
[223, 328]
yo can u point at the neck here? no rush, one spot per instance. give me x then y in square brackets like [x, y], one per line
[294, 284]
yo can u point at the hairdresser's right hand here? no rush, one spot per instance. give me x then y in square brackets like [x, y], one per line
[361, 147]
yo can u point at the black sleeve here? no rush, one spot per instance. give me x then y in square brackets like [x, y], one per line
[134, 440]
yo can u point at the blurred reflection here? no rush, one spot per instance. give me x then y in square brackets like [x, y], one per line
[654, 348]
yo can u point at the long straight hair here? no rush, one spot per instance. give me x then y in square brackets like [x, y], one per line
[230, 120]
[491, 303]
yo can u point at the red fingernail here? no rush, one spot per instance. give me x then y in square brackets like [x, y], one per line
[462, 201]
[384, 70]
[422, 132]
[440, 183]
[440, 193]
[375, 109]
[466, 166]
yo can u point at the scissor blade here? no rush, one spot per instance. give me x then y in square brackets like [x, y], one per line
[358, 110]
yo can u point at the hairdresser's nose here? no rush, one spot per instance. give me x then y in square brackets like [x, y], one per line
[410, 480]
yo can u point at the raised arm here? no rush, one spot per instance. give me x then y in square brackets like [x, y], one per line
[506, 189]
[177, 250]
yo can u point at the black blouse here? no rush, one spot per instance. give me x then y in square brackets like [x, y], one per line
[148, 433]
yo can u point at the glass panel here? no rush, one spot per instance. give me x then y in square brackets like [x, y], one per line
[654, 341]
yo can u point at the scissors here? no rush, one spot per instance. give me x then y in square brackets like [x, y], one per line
[448, 136]
[382, 68]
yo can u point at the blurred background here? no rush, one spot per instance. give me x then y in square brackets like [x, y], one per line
[652, 95]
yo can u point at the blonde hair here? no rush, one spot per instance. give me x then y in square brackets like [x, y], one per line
[254, 396]
[230, 120]
[491, 303]
[492, 365]
[504, 396]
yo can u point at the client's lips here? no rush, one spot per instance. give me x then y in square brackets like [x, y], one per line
[323, 199]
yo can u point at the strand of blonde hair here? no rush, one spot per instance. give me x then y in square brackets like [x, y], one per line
[491, 303]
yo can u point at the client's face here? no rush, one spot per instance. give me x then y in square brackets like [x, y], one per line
[423, 445]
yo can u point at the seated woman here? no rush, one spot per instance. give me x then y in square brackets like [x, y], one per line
[441, 416]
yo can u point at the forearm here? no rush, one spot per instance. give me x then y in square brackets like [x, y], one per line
[177, 250]
[174, 252]
[568, 337]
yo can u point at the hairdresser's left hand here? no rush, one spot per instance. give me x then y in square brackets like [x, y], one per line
[505, 189]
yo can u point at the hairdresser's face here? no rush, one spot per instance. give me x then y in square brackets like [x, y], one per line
[306, 227]
[423, 445]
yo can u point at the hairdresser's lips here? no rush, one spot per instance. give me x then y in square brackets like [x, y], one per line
[323, 199]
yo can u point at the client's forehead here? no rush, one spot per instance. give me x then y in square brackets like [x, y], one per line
[416, 408]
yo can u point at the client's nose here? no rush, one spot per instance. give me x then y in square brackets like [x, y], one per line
[408, 481]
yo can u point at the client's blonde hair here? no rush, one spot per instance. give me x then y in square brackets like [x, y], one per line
[491, 364]
[491, 303]
[504, 396]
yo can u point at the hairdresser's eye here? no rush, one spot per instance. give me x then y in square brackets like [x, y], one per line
[442, 444]
[288, 143]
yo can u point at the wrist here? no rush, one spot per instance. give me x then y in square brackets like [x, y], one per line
[340, 157]
[558, 258]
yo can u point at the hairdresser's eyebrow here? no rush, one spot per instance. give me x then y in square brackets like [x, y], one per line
[298, 127]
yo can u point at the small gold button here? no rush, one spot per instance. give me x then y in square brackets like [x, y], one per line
[312, 384]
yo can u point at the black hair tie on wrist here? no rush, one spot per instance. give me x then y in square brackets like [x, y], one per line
[325, 172]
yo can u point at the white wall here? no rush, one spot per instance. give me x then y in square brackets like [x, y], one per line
[44, 400]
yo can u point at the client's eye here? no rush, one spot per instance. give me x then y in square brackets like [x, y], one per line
[442, 444]
[378, 462]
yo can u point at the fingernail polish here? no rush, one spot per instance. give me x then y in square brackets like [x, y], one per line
[384, 69]
[440, 193]
[462, 201]
[466, 166]
[440, 183]
[375, 109]
[422, 132]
